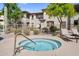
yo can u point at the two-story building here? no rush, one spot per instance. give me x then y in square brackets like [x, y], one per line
[41, 18]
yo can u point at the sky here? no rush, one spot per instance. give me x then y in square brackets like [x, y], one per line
[30, 7]
[1, 6]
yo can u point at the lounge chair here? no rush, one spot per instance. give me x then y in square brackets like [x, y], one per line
[67, 35]
[75, 31]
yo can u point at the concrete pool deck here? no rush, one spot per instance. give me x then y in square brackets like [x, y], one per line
[67, 48]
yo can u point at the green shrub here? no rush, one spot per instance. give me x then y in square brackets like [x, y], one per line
[14, 30]
[26, 32]
[32, 28]
[17, 31]
[36, 32]
[53, 30]
[1, 26]
[53, 33]
[45, 30]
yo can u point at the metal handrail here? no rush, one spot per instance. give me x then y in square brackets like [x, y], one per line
[26, 38]
[15, 42]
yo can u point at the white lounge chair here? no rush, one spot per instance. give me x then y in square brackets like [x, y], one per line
[67, 35]
[75, 31]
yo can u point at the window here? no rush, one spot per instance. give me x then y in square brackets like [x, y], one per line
[50, 23]
[75, 22]
[39, 16]
[27, 23]
[1, 19]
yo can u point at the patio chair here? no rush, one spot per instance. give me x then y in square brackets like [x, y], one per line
[67, 35]
[75, 31]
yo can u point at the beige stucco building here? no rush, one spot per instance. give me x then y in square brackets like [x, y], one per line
[42, 19]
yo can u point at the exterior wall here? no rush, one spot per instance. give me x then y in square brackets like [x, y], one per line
[74, 18]
[56, 22]
[2, 19]
[32, 21]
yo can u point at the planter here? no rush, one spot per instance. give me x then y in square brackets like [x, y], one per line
[36, 32]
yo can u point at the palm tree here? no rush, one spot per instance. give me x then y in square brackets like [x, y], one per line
[60, 10]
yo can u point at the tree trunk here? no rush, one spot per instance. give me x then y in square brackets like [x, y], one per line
[15, 26]
[68, 23]
[60, 21]
[14, 45]
[60, 28]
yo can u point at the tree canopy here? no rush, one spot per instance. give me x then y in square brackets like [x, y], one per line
[60, 9]
[13, 11]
